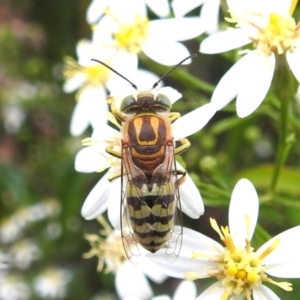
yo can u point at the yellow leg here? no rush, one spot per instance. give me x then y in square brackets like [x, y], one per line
[110, 150]
[181, 179]
[173, 116]
[114, 110]
[185, 144]
[114, 176]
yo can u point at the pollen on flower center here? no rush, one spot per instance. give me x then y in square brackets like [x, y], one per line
[240, 270]
[109, 251]
[131, 36]
[278, 36]
[94, 74]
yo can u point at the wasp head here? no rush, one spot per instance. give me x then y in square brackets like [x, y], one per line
[145, 102]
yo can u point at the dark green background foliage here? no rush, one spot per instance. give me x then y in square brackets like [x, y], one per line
[37, 161]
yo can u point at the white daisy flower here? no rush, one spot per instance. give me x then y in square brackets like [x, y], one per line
[130, 279]
[271, 30]
[209, 13]
[52, 283]
[97, 7]
[128, 31]
[13, 288]
[24, 252]
[92, 80]
[105, 195]
[240, 271]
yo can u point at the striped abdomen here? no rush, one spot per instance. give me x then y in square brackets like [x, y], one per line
[151, 216]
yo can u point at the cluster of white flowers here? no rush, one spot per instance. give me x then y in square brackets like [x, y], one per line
[122, 34]
[18, 253]
[122, 31]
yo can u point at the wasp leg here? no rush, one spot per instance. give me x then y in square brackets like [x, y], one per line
[110, 150]
[114, 176]
[181, 179]
[185, 144]
[173, 116]
[114, 110]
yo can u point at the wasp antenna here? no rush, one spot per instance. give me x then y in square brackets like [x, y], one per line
[180, 63]
[107, 66]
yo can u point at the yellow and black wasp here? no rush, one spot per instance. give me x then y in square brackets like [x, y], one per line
[150, 200]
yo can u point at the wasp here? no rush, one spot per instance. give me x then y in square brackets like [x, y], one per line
[150, 200]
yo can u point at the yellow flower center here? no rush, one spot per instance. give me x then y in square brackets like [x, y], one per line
[109, 251]
[95, 75]
[278, 36]
[131, 36]
[240, 270]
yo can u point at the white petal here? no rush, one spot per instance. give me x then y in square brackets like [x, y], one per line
[79, 120]
[160, 8]
[102, 33]
[126, 64]
[193, 121]
[234, 81]
[160, 50]
[171, 93]
[224, 41]
[257, 79]
[97, 200]
[180, 29]
[91, 108]
[151, 271]
[228, 86]
[191, 241]
[182, 7]
[105, 134]
[293, 59]
[163, 297]
[144, 79]
[210, 15]
[91, 159]
[183, 264]
[130, 281]
[196, 241]
[264, 293]
[261, 7]
[133, 298]
[215, 291]
[243, 212]
[125, 12]
[186, 290]
[114, 203]
[97, 107]
[87, 50]
[284, 261]
[73, 83]
[95, 10]
[191, 201]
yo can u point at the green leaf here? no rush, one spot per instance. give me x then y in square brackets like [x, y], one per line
[260, 176]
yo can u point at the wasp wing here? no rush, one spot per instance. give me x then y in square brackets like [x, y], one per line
[129, 173]
[171, 187]
[150, 211]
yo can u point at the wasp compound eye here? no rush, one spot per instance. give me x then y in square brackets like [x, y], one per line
[162, 103]
[129, 105]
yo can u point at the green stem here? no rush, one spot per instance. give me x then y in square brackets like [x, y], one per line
[280, 157]
[179, 74]
[284, 88]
